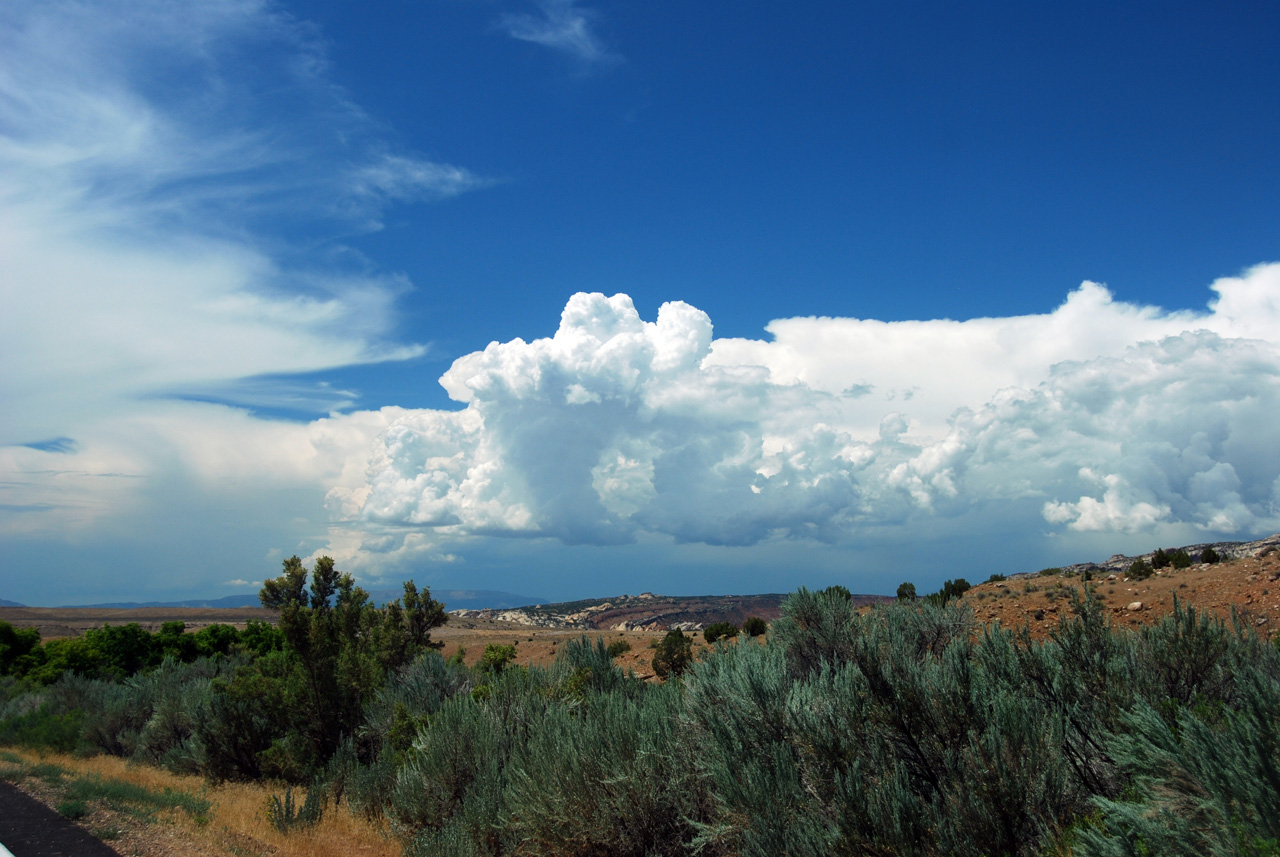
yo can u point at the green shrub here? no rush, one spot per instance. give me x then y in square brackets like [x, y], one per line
[720, 631]
[1180, 559]
[284, 816]
[1160, 559]
[950, 590]
[16, 646]
[1139, 569]
[618, 647]
[607, 777]
[73, 809]
[754, 626]
[906, 591]
[1200, 788]
[1050, 572]
[496, 657]
[592, 665]
[673, 655]
[996, 578]
[1210, 556]
[813, 630]
[46, 727]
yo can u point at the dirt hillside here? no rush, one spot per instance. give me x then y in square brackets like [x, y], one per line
[1249, 586]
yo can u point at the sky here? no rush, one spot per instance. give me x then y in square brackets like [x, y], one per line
[574, 298]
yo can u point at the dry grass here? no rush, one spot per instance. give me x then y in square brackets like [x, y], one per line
[236, 823]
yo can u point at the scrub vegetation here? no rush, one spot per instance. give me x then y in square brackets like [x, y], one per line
[906, 729]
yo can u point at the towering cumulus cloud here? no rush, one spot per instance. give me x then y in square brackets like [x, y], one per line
[1101, 416]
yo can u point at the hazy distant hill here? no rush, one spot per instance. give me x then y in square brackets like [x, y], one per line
[466, 599]
[454, 599]
[4, 603]
[231, 601]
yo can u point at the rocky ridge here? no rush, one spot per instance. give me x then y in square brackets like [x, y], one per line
[647, 611]
[1119, 563]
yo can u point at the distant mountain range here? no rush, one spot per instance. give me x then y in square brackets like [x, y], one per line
[454, 599]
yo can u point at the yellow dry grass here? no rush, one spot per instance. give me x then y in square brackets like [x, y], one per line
[237, 822]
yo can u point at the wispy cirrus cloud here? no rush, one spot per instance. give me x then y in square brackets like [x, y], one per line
[157, 163]
[563, 26]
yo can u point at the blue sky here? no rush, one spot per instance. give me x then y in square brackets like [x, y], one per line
[778, 296]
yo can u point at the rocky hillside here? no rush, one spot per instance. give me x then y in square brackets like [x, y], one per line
[647, 612]
[1119, 563]
[1243, 587]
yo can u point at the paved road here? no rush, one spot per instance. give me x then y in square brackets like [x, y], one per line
[28, 828]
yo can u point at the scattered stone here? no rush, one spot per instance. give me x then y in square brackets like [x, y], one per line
[1135, 606]
[1262, 620]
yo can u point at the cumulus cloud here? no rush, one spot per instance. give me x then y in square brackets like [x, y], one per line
[1101, 415]
[561, 25]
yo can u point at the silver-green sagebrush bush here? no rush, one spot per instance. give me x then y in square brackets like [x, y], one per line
[907, 730]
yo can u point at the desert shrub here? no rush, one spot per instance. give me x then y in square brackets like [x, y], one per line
[244, 730]
[1200, 788]
[590, 669]
[608, 777]
[673, 655]
[73, 809]
[364, 768]
[285, 714]
[496, 657]
[918, 740]
[736, 702]
[1050, 572]
[1180, 559]
[260, 638]
[906, 591]
[454, 777]
[618, 647]
[1140, 569]
[814, 629]
[1210, 556]
[46, 726]
[754, 626]
[284, 815]
[16, 646]
[719, 631]
[996, 578]
[1160, 559]
[1087, 674]
[951, 589]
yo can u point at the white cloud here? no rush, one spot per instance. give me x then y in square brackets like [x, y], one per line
[151, 156]
[563, 26]
[1101, 416]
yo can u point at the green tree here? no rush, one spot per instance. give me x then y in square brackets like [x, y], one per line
[16, 646]
[719, 631]
[754, 626]
[337, 650]
[497, 656]
[673, 656]
[1140, 569]
[906, 592]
